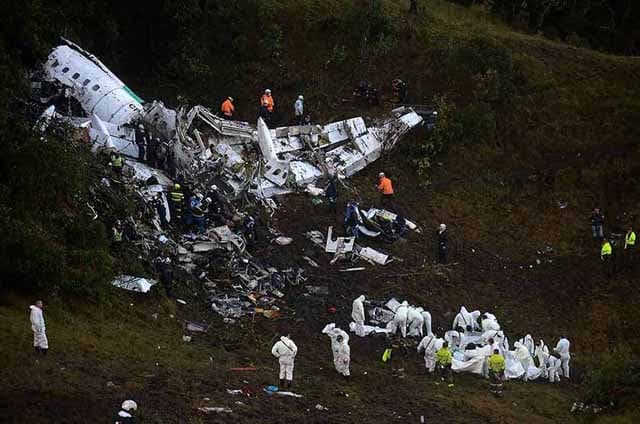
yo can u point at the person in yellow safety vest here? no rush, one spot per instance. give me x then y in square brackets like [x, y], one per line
[606, 253]
[177, 199]
[630, 245]
[443, 363]
[227, 108]
[117, 232]
[116, 162]
[496, 372]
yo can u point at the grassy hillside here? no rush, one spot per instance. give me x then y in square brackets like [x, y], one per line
[526, 123]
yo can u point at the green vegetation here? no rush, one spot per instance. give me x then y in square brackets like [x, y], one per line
[600, 24]
[524, 123]
[615, 384]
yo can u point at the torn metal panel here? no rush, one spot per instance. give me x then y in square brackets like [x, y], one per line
[137, 284]
[204, 246]
[277, 171]
[265, 141]
[388, 216]
[339, 245]
[367, 232]
[225, 236]
[161, 119]
[392, 304]
[373, 256]
[143, 172]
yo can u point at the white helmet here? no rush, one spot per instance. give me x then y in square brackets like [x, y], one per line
[301, 97]
[129, 405]
[380, 175]
[267, 91]
[443, 227]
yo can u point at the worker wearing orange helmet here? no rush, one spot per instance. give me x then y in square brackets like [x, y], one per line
[267, 106]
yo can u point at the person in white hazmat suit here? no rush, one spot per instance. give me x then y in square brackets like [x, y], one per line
[415, 320]
[531, 372]
[340, 349]
[553, 369]
[285, 350]
[562, 349]
[430, 344]
[426, 316]
[40, 341]
[453, 338]
[529, 343]
[399, 321]
[490, 322]
[357, 314]
[466, 320]
[542, 353]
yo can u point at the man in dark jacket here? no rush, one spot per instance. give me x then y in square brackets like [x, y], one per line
[597, 224]
[332, 193]
[443, 244]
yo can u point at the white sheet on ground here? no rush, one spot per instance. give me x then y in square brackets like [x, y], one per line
[368, 329]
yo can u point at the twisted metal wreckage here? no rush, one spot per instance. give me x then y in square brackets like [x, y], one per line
[241, 160]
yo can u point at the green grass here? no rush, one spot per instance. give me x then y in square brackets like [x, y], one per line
[568, 133]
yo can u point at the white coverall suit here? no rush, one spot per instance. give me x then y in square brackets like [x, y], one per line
[357, 314]
[415, 320]
[39, 330]
[562, 349]
[542, 353]
[285, 350]
[341, 350]
[465, 319]
[426, 316]
[553, 369]
[399, 320]
[490, 323]
[430, 344]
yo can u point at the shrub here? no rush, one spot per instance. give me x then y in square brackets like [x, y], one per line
[616, 383]
[472, 124]
[491, 67]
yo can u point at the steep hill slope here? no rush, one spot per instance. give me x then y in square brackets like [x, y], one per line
[525, 123]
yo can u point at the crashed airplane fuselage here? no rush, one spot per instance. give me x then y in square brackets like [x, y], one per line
[93, 85]
[289, 158]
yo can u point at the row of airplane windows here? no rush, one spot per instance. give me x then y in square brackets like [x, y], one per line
[75, 76]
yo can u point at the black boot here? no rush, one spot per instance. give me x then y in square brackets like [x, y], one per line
[282, 383]
[289, 383]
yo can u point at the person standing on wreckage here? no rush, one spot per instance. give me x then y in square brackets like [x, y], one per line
[285, 350]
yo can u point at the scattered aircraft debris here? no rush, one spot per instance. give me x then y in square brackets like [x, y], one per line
[238, 165]
[259, 160]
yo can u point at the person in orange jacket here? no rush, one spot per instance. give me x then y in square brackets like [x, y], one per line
[266, 106]
[227, 108]
[385, 187]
